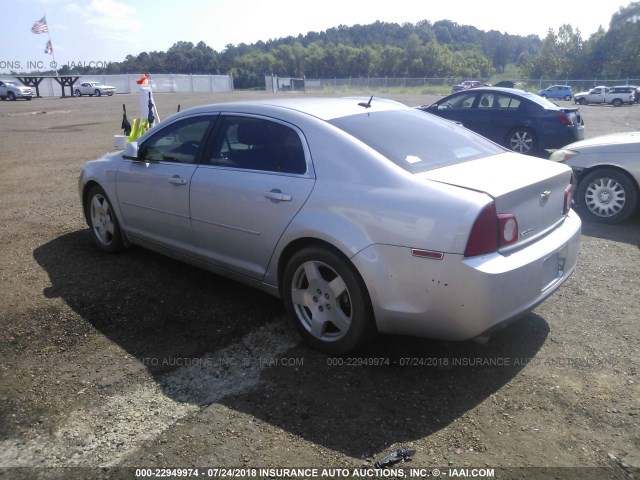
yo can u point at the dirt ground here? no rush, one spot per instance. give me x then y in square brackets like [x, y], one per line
[135, 360]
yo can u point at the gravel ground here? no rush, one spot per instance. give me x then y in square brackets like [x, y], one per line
[135, 360]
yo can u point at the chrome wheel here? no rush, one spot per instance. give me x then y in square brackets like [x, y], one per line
[327, 300]
[322, 301]
[607, 196]
[102, 221]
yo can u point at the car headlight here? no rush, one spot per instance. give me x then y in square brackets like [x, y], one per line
[562, 155]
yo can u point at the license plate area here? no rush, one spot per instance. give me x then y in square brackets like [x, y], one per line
[553, 268]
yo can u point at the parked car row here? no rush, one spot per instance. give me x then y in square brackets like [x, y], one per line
[616, 96]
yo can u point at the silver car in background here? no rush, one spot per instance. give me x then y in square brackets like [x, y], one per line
[363, 215]
[607, 170]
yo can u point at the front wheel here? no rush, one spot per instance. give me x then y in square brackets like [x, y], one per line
[617, 102]
[327, 301]
[77, 93]
[103, 222]
[607, 196]
[11, 96]
[582, 101]
[522, 140]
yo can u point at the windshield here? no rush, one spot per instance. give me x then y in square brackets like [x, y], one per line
[415, 140]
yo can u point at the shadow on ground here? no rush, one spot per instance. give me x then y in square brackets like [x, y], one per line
[394, 390]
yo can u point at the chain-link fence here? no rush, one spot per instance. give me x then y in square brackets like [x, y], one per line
[274, 83]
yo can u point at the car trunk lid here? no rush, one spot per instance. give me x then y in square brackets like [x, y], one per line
[532, 189]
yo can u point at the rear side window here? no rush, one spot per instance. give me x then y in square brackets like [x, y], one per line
[415, 140]
[258, 144]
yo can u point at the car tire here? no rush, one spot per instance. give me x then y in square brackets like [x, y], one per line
[327, 300]
[11, 96]
[28, 99]
[582, 101]
[104, 225]
[567, 98]
[606, 195]
[522, 140]
[544, 96]
[617, 102]
[77, 93]
[97, 93]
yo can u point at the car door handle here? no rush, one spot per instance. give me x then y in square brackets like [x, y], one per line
[177, 180]
[276, 194]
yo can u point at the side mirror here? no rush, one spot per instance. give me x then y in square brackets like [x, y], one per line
[130, 151]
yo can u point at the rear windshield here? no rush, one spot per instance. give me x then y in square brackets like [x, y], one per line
[415, 140]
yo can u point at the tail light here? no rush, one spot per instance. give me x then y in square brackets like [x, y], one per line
[568, 197]
[564, 119]
[491, 231]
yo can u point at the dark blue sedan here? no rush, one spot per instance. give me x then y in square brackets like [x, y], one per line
[518, 120]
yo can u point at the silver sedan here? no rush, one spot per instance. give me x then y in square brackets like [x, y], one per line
[363, 215]
[607, 169]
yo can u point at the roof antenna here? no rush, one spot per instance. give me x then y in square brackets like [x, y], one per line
[366, 105]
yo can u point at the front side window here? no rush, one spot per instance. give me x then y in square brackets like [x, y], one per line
[179, 142]
[258, 144]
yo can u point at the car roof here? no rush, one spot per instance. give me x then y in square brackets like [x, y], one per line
[325, 108]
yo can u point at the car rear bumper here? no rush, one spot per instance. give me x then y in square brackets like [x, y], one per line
[460, 298]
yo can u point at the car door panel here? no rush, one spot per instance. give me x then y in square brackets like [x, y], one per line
[153, 190]
[238, 216]
[258, 177]
[154, 201]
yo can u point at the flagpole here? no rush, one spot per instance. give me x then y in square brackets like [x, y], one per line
[53, 55]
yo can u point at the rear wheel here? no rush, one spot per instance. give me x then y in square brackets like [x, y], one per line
[103, 222]
[327, 300]
[606, 195]
[567, 98]
[522, 140]
[97, 92]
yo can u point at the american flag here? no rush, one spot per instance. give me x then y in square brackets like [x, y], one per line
[40, 26]
[49, 48]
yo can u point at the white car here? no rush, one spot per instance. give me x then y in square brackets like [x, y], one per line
[363, 215]
[93, 88]
[607, 170]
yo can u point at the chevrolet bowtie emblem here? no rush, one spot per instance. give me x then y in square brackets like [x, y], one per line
[544, 196]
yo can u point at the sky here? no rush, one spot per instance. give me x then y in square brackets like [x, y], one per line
[96, 32]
